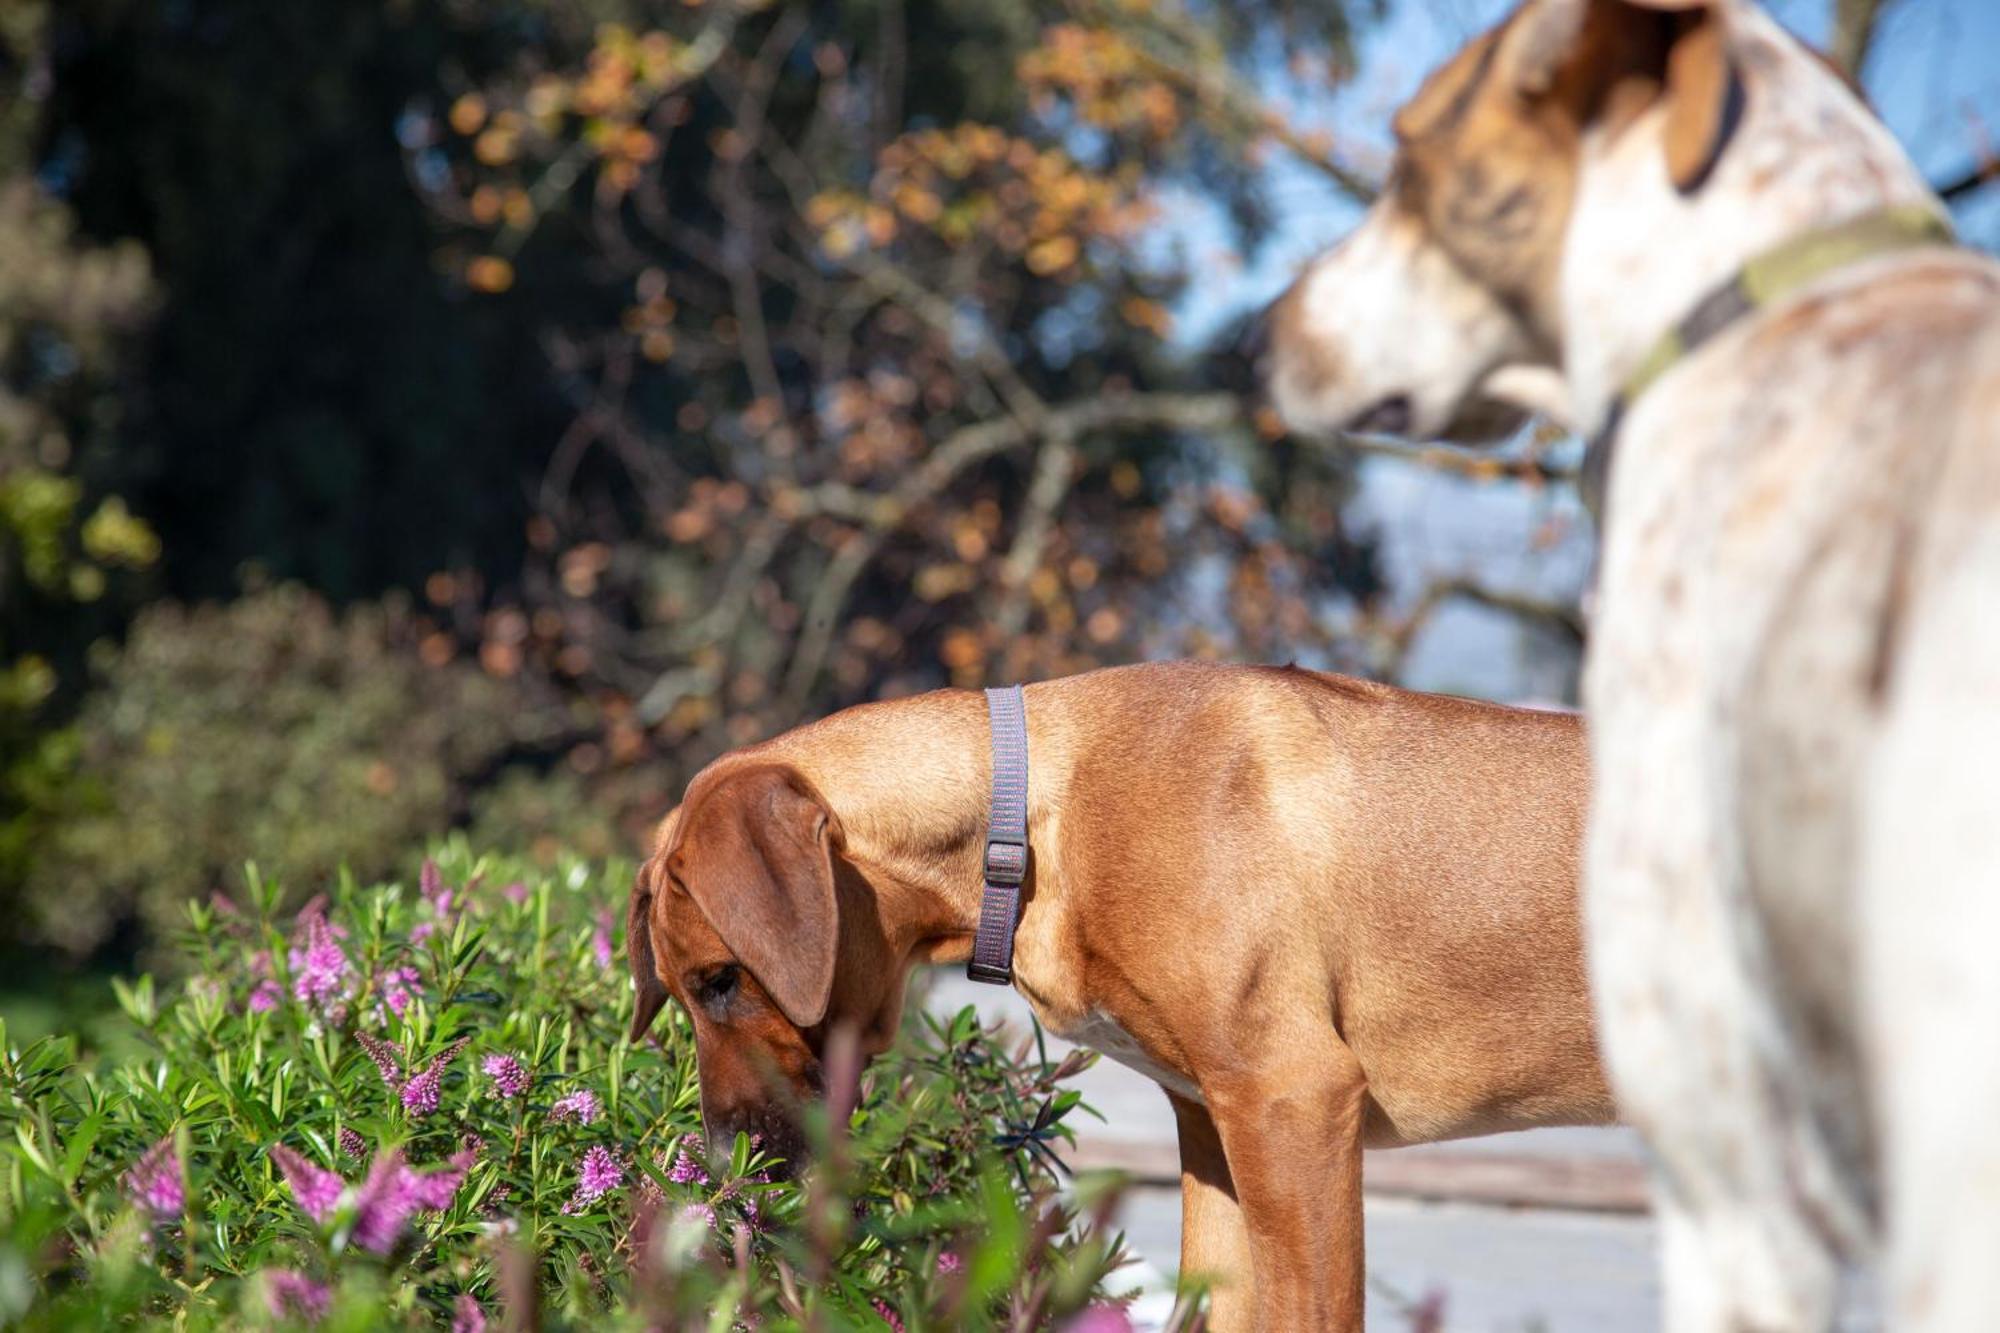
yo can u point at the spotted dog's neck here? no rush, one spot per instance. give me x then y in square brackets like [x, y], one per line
[1638, 253]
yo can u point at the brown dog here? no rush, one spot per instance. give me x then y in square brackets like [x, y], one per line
[1321, 913]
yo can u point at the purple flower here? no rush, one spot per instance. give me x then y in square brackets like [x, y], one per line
[436, 1190]
[687, 1169]
[580, 1106]
[1100, 1319]
[388, 1060]
[157, 1182]
[384, 1203]
[596, 1176]
[949, 1262]
[510, 1076]
[321, 974]
[296, 1295]
[439, 898]
[420, 1094]
[314, 1189]
[265, 996]
[352, 1144]
[600, 939]
[399, 986]
[467, 1317]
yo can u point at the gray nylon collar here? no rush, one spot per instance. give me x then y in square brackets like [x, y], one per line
[1006, 839]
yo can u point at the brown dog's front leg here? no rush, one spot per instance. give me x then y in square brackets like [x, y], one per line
[1215, 1245]
[1292, 1136]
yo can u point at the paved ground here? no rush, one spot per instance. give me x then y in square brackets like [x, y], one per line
[1502, 1269]
[1542, 1232]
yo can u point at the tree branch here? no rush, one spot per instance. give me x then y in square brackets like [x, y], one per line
[1472, 464]
[1853, 33]
[958, 451]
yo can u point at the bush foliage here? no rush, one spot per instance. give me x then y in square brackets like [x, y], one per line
[409, 1107]
[270, 727]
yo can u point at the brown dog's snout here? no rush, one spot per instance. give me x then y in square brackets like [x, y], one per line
[773, 1129]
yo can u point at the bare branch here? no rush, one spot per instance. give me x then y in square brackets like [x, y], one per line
[1398, 637]
[960, 450]
[1055, 469]
[1853, 33]
[1473, 464]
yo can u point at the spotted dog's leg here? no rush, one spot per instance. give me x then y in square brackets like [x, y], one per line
[1689, 1047]
[1931, 912]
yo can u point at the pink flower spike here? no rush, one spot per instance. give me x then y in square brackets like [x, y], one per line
[1100, 1319]
[887, 1314]
[315, 1190]
[950, 1262]
[384, 1203]
[687, 1168]
[510, 1077]
[467, 1317]
[430, 882]
[515, 893]
[437, 1189]
[596, 1176]
[388, 1060]
[420, 1094]
[600, 939]
[295, 1295]
[157, 1182]
[352, 1144]
[266, 996]
[321, 974]
[580, 1106]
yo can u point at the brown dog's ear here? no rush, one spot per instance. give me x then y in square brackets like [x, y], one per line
[756, 853]
[649, 993]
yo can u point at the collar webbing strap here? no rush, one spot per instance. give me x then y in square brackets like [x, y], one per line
[1763, 280]
[1006, 839]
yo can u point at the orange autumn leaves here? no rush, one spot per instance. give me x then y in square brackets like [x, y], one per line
[978, 183]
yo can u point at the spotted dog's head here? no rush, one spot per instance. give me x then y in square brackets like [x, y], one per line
[749, 915]
[1439, 316]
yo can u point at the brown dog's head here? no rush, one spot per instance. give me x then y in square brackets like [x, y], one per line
[1422, 322]
[749, 914]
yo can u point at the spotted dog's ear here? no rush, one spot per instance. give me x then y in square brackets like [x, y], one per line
[1446, 95]
[1704, 92]
[756, 854]
[649, 992]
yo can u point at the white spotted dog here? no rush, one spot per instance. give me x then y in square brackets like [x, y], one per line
[1793, 866]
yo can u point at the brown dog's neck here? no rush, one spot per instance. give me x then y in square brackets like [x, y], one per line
[910, 782]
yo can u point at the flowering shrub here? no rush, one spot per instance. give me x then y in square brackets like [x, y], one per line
[398, 1109]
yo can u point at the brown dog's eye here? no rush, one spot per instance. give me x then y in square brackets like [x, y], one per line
[718, 986]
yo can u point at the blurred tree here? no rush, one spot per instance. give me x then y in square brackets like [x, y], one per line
[68, 311]
[877, 395]
[316, 400]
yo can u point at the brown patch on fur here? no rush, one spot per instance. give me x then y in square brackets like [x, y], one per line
[1487, 149]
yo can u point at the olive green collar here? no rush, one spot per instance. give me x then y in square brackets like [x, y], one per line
[1764, 280]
